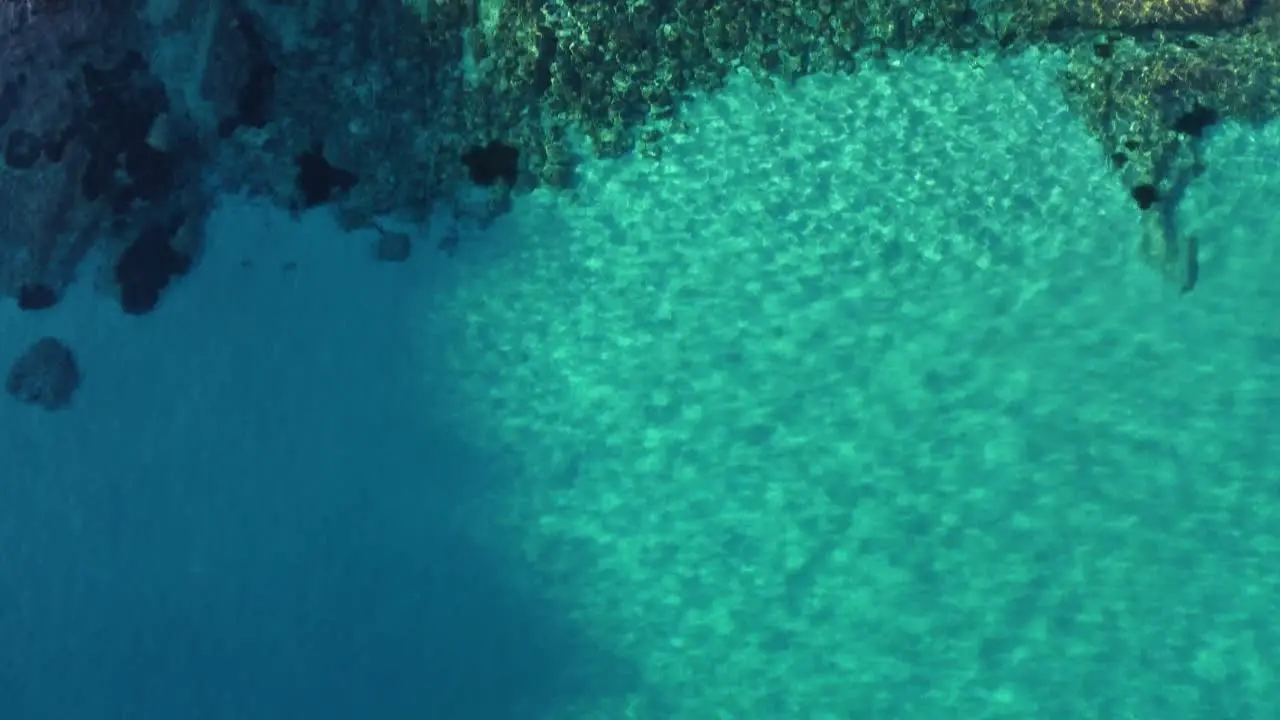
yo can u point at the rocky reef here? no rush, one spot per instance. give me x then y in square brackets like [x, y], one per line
[120, 120]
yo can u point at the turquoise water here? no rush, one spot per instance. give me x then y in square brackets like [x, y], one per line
[860, 404]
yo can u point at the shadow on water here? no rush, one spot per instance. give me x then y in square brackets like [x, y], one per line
[507, 653]
[270, 598]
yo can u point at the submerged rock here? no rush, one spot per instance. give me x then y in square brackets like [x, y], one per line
[46, 375]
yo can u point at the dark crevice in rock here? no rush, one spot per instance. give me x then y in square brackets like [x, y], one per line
[125, 102]
[36, 296]
[145, 269]
[254, 99]
[318, 180]
[492, 163]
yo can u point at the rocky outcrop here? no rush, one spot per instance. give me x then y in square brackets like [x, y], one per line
[99, 147]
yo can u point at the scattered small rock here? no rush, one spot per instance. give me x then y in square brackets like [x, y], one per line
[393, 246]
[45, 375]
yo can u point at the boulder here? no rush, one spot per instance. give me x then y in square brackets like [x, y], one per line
[45, 375]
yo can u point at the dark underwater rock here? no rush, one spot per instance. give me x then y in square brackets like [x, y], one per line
[45, 375]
